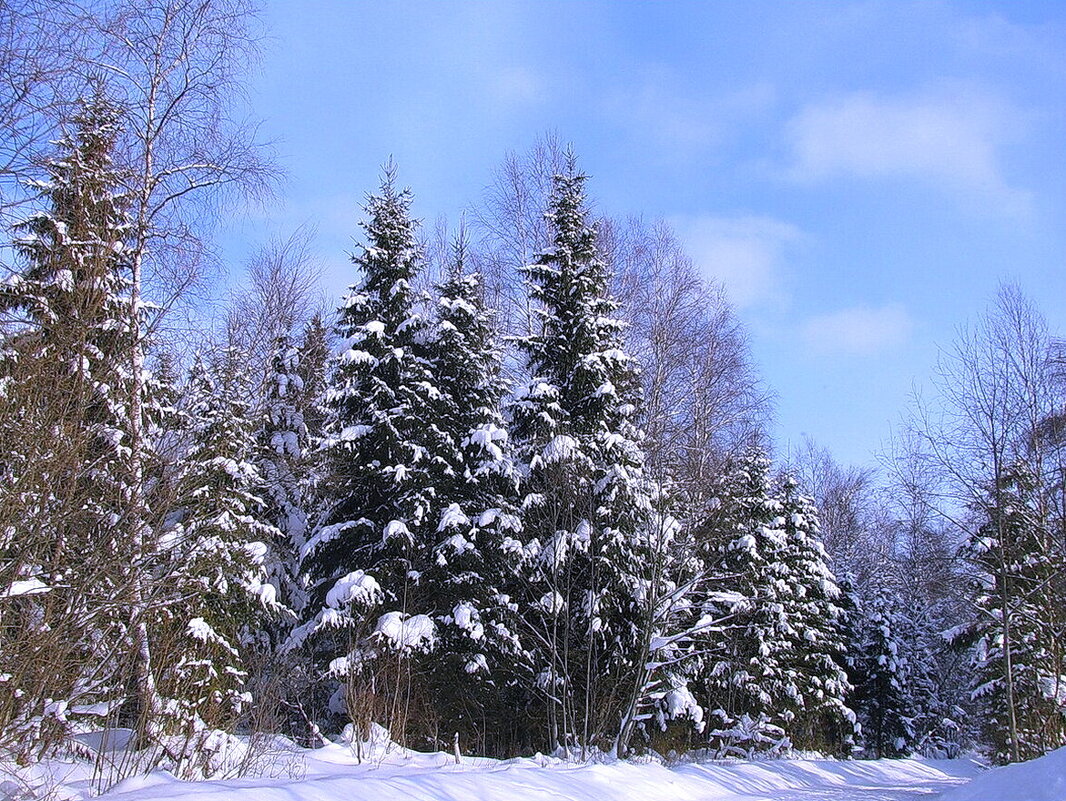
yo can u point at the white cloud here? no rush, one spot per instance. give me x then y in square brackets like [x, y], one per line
[950, 137]
[658, 108]
[861, 330]
[517, 86]
[744, 253]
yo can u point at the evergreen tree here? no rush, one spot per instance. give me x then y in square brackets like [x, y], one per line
[477, 549]
[77, 331]
[823, 721]
[66, 484]
[585, 497]
[283, 444]
[751, 688]
[1018, 649]
[680, 604]
[896, 692]
[219, 552]
[881, 697]
[376, 535]
[311, 366]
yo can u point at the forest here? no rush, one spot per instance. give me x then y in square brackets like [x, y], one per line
[514, 492]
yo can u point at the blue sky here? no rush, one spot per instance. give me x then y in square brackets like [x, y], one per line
[861, 175]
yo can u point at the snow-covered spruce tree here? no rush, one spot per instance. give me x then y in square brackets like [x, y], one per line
[368, 611]
[290, 461]
[584, 491]
[938, 676]
[217, 550]
[679, 605]
[312, 363]
[749, 684]
[472, 672]
[284, 453]
[66, 383]
[896, 695]
[881, 696]
[1018, 650]
[823, 722]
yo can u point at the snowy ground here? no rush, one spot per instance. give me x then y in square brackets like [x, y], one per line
[334, 777]
[421, 778]
[288, 773]
[333, 772]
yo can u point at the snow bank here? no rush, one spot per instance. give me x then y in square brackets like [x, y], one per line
[1042, 779]
[379, 770]
[332, 772]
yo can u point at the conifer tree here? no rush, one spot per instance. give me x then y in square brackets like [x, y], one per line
[66, 486]
[896, 694]
[1018, 649]
[681, 606]
[751, 688]
[823, 720]
[283, 445]
[477, 549]
[311, 366]
[313, 356]
[936, 679]
[218, 557]
[76, 333]
[584, 495]
[881, 696]
[376, 535]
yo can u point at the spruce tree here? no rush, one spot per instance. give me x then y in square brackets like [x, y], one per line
[77, 331]
[477, 547]
[1018, 651]
[750, 685]
[936, 680]
[311, 367]
[897, 695]
[66, 483]
[284, 454]
[823, 720]
[881, 697]
[376, 535]
[585, 497]
[218, 557]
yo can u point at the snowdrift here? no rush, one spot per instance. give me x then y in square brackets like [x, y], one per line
[331, 776]
[380, 770]
[1042, 779]
[332, 772]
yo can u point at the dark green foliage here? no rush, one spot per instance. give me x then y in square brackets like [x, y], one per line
[218, 553]
[67, 481]
[382, 447]
[823, 721]
[585, 498]
[472, 671]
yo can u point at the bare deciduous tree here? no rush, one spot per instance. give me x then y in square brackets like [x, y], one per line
[704, 400]
[281, 294]
[854, 525]
[994, 395]
[511, 229]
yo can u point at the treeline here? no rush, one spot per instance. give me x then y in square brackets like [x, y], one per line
[515, 495]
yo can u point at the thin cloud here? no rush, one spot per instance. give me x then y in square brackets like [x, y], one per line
[859, 331]
[660, 110]
[951, 138]
[744, 253]
[517, 86]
